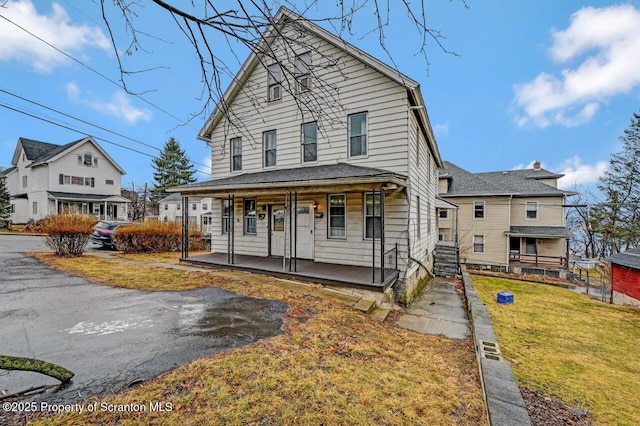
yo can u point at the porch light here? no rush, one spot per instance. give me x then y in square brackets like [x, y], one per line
[315, 205]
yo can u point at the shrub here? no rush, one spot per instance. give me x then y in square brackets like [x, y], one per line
[154, 237]
[67, 234]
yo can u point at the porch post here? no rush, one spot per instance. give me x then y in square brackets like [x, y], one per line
[284, 245]
[105, 211]
[185, 227]
[229, 224]
[381, 234]
[295, 228]
[373, 236]
[232, 228]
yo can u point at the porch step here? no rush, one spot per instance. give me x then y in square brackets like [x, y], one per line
[445, 261]
[365, 305]
[380, 314]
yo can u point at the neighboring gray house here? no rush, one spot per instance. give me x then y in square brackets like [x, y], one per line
[505, 218]
[78, 177]
[336, 172]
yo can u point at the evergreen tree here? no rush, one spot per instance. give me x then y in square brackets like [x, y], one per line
[5, 202]
[172, 167]
[618, 217]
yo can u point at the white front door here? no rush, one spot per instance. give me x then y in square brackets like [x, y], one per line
[304, 238]
[278, 214]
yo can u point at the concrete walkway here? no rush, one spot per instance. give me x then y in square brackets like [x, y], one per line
[438, 310]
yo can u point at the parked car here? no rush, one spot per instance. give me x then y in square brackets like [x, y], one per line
[103, 232]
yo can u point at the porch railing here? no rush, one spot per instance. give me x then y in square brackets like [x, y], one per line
[538, 259]
[391, 258]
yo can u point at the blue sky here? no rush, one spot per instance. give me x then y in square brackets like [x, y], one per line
[554, 81]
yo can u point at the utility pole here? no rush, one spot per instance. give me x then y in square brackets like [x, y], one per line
[144, 203]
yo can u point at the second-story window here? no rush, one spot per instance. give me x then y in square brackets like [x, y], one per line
[274, 82]
[531, 210]
[309, 142]
[25, 181]
[194, 206]
[269, 147]
[478, 209]
[236, 154]
[358, 134]
[303, 72]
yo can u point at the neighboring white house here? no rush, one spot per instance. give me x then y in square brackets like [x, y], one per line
[339, 138]
[79, 177]
[199, 210]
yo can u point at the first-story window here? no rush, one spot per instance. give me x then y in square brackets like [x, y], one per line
[530, 246]
[309, 142]
[372, 215]
[269, 147]
[443, 214]
[478, 209]
[337, 216]
[166, 206]
[194, 206]
[250, 216]
[531, 210]
[478, 243]
[35, 207]
[226, 216]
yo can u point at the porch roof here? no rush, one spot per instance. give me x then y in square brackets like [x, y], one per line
[71, 196]
[539, 231]
[629, 258]
[302, 179]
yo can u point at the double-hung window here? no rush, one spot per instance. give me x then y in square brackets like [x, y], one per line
[531, 209]
[226, 216]
[249, 216]
[478, 209]
[337, 216]
[372, 216]
[309, 142]
[358, 134]
[478, 243]
[303, 68]
[274, 82]
[236, 154]
[269, 147]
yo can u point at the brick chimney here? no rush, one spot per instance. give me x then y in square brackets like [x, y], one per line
[536, 165]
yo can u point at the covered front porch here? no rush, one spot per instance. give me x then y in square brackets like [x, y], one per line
[304, 270]
[104, 207]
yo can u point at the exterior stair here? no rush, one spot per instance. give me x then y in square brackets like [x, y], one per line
[446, 260]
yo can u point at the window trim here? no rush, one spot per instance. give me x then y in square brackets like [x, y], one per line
[329, 227]
[245, 217]
[475, 211]
[366, 135]
[274, 81]
[303, 144]
[483, 244]
[365, 215]
[300, 75]
[535, 210]
[264, 149]
[234, 155]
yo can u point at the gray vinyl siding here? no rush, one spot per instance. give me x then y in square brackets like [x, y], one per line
[363, 90]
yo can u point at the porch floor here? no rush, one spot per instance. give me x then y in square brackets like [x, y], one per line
[306, 270]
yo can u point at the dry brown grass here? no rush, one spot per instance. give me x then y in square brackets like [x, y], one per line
[332, 365]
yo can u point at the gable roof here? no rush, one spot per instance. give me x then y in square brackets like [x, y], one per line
[6, 172]
[285, 16]
[42, 152]
[629, 258]
[508, 183]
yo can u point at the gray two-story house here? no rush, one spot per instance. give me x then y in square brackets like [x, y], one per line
[324, 165]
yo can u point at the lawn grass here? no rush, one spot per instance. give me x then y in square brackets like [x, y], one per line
[331, 365]
[585, 352]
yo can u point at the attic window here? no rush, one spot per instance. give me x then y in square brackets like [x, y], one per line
[88, 159]
[303, 67]
[274, 82]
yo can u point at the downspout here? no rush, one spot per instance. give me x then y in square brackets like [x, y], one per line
[508, 236]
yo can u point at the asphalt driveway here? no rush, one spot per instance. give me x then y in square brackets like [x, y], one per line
[111, 337]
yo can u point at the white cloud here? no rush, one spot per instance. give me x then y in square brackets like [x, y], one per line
[611, 36]
[56, 28]
[577, 173]
[441, 129]
[119, 106]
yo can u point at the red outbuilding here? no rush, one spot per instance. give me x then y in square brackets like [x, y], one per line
[625, 277]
